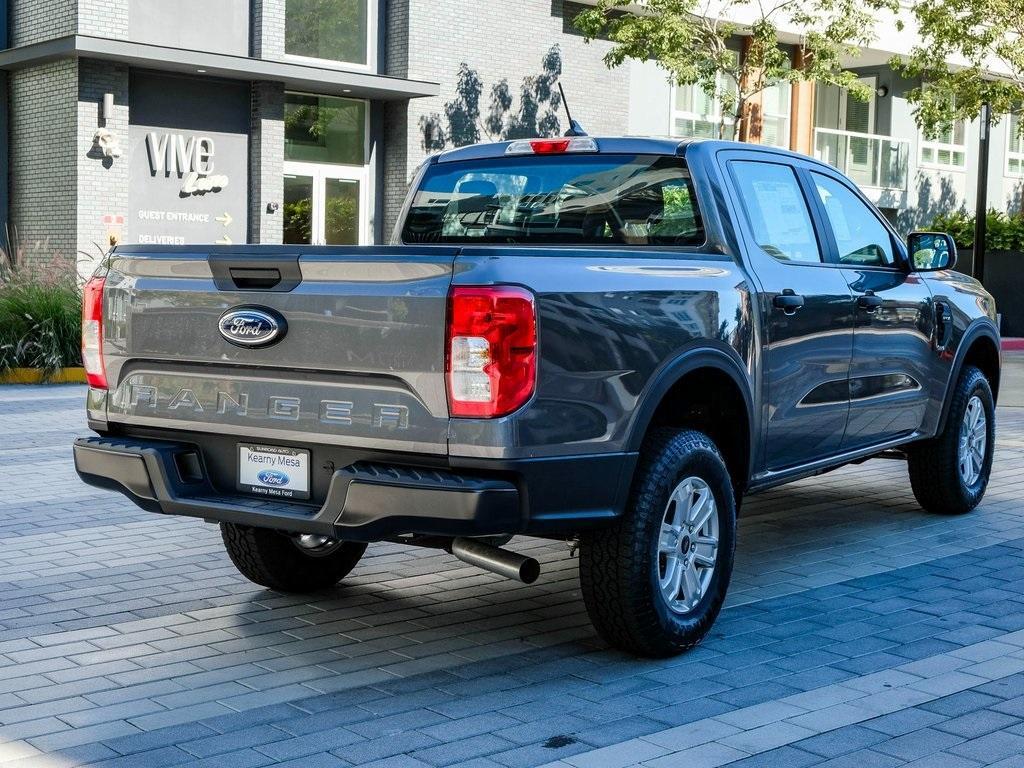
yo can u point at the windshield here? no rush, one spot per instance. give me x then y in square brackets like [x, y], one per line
[564, 199]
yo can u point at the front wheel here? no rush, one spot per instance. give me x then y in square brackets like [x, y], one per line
[289, 562]
[654, 582]
[949, 473]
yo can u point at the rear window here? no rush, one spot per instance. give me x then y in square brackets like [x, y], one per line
[568, 199]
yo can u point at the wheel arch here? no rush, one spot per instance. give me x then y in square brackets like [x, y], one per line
[708, 389]
[979, 347]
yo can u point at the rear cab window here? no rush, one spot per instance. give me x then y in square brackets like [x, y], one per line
[593, 199]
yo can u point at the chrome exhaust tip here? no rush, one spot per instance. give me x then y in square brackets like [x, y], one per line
[496, 560]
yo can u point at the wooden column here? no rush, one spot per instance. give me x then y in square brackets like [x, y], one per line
[750, 129]
[801, 111]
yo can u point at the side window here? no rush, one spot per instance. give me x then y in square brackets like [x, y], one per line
[777, 210]
[860, 237]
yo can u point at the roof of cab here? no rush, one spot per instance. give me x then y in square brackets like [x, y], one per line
[624, 145]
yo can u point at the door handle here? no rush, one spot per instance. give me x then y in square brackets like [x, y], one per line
[788, 301]
[869, 302]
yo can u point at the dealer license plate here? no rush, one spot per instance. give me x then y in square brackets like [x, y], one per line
[273, 471]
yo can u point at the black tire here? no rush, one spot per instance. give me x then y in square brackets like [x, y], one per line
[274, 560]
[620, 565]
[934, 465]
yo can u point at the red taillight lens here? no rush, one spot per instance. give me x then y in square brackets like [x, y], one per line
[549, 146]
[491, 361]
[92, 332]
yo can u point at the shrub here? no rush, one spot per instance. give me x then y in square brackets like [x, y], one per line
[40, 317]
[1002, 232]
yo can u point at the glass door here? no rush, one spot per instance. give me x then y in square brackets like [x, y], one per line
[325, 205]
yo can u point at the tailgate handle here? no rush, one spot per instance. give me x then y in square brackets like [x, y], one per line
[255, 279]
[255, 271]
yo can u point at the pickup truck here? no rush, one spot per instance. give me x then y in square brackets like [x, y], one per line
[606, 341]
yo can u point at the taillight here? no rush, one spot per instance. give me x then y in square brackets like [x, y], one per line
[92, 332]
[491, 360]
[551, 146]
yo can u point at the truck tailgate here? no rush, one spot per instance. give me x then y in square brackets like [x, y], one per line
[360, 361]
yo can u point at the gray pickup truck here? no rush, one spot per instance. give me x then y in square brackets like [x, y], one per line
[606, 341]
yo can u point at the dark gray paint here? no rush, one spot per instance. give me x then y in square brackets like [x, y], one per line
[616, 327]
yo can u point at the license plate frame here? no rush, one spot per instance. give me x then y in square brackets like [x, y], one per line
[273, 471]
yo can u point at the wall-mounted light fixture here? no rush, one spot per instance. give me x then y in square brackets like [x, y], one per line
[108, 107]
[882, 91]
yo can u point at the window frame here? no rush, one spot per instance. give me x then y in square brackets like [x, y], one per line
[1011, 153]
[941, 146]
[717, 118]
[813, 209]
[368, 107]
[700, 204]
[786, 118]
[372, 31]
[832, 258]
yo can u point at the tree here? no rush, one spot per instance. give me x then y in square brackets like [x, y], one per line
[692, 41]
[984, 38]
[464, 123]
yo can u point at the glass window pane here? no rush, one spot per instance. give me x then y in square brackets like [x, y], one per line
[324, 129]
[860, 237]
[775, 131]
[341, 207]
[327, 29]
[569, 199]
[684, 98]
[777, 211]
[959, 130]
[298, 210]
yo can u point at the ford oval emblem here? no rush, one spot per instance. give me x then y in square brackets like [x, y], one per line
[252, 326]
[272, 477]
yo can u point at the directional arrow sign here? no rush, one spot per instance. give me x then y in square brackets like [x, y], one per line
[225, 219]
[223, 241]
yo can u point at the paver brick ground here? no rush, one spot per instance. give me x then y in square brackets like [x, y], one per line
[860, 631]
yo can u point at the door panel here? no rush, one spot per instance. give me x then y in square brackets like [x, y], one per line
[892, 357]
[892, 349]
[325, 204]
[341, 212]
[298, 210]
[807, 309]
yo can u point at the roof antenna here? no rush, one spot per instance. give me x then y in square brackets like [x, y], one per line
[575, 129]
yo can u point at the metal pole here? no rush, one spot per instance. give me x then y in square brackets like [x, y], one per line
[981, 198]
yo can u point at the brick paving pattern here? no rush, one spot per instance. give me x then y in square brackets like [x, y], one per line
[861, 631]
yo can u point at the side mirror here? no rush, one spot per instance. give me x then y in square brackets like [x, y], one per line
[931, 251]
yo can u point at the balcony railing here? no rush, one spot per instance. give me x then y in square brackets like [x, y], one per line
[869, 159]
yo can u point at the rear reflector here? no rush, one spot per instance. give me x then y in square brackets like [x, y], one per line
[92, 333]
[492, 350]
[551, 146]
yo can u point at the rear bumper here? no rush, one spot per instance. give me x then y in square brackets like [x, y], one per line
[365, 501]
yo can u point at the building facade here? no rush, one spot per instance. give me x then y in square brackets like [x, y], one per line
[303, 121]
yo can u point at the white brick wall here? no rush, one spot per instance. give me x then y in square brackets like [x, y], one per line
[102, 182]
[266, 163]
[429, 40]
[103, 18]
[33, 21]
[43, 163]
[268, 29]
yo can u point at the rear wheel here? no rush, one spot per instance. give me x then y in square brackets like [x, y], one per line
[289, 562]
[949, 473]
[655, 581]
